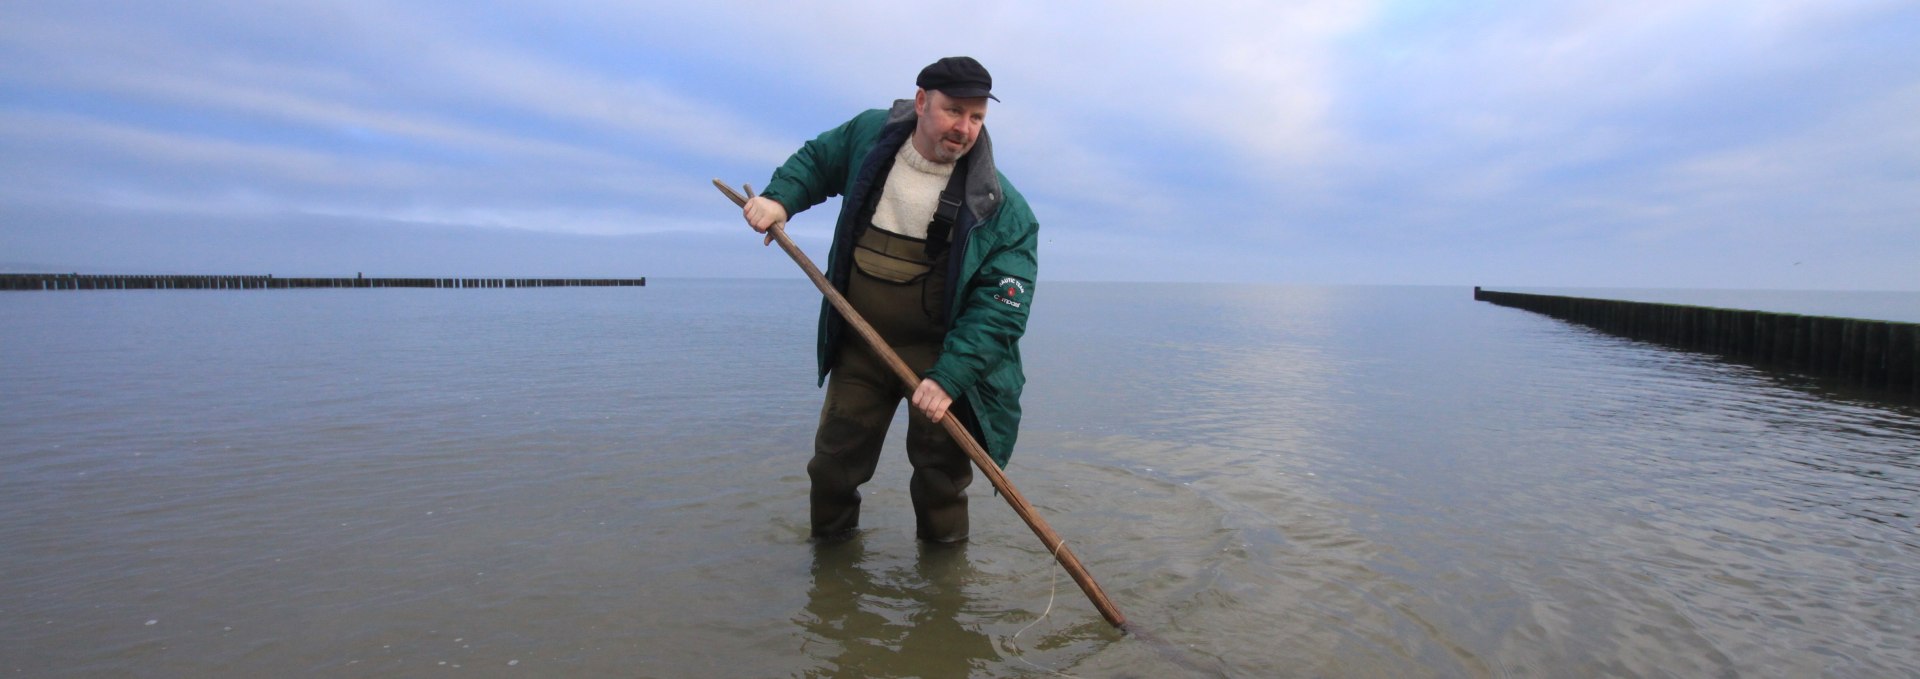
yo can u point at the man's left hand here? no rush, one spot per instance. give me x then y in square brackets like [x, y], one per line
[932, 400]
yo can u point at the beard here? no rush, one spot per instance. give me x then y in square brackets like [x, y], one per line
[944, 154]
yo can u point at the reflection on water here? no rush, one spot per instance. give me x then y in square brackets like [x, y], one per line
[908, 623]
[1270, 481]
[1486, 493]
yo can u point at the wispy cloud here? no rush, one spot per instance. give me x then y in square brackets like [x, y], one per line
[1320, 141]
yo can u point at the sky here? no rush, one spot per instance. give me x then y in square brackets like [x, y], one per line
[1749, 144]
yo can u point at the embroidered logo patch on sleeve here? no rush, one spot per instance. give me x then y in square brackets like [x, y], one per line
[1010, 292]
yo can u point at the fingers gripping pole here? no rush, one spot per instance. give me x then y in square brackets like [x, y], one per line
[959, 433]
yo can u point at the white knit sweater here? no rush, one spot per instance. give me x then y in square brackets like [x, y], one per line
[911, 194]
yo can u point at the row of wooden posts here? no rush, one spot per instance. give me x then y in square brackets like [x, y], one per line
[74, 281]
[1883, 355]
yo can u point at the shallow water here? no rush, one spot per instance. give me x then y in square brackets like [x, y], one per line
[1274, 481]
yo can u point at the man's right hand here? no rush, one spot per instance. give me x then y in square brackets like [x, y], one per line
[764, 213]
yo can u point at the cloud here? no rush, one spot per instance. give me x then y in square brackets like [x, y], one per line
[1311, 141]
[449, 125]
[1592, 105]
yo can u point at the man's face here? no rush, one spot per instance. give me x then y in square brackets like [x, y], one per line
[947, 127]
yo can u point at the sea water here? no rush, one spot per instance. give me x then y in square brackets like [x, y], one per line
[1274, 481]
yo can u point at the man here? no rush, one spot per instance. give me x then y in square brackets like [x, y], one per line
[937, 251]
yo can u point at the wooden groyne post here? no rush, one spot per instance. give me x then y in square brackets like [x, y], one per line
[1880, 355]
[75, 281]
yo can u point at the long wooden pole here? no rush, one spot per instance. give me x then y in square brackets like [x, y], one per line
[959, 432]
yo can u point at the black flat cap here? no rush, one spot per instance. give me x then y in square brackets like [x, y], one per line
[959, 77]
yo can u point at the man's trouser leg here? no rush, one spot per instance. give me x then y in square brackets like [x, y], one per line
[941, 470]
[853, 423]
[941, 473]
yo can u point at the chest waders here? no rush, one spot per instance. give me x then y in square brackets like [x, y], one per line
[899, 285]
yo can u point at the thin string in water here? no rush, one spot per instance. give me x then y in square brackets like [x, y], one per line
[1053, 587]
[1169, 652]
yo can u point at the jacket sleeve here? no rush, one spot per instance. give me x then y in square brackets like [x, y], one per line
[818, 171]
[994, 310]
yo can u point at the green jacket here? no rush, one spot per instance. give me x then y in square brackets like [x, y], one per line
[990, 267]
